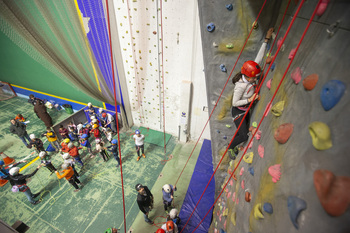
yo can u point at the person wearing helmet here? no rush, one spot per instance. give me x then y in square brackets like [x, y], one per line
[19, 129]
[64, 145]
[74, 152]
[73, 136]
[173, 215]
[45, 160]
[36, 143]
[170, 227]
[68, 159]
[52, 138]
[168, 195]
[68, 173]
[20, 181]
[243, 94]
[63, 132]
[84, 142]
[160, 230]
[109, 121]
[90, 110]
[114, 149]
[20, 118]
[4, 172]
[139, 144]
[111, 230]
[102, 150]
[96, 132]
[144, 201]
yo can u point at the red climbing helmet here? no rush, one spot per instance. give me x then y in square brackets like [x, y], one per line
[160, 231]
[170, 225]
[251, 69]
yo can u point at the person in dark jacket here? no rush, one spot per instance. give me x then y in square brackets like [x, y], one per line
[114, 149]
[33, 100]
[40, 111]
[144, 201]
[20, 129]
[36, 143]
[19, 183]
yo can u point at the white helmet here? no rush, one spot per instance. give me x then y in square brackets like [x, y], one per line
[94, 120]
[14, 171]
[92, 117]
[100, 110]
[89, 104]
[79, 126]
[32, 136]
[42, 154]
[65, 156]
[173, 213]
[167, 188]
[65, 166]
[70, 145]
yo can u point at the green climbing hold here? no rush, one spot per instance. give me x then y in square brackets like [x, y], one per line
[228, 126]
[229, 46]
[254, 124]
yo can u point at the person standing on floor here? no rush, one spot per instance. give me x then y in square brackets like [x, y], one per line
[19, 129]
[102, 150]
[68, 159]
[139, 139]
[168, 195]
[4, 172]
[109, 120]
[170, 227]
[114, 149]
[52, 138]
[36, 143]
[74, 152]
[63, 132]
[40, 111]
[144, 201]
[19, 183]
[68, 173]
[45, 160]
[33, 100]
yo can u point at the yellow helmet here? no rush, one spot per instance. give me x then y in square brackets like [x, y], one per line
[95, 126]
[66, 140]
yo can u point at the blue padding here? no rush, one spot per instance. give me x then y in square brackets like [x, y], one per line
[200, 178]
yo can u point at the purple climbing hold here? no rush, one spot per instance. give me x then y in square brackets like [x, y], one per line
[223, 68]
[295, 206]
[251, 171]
[331, 93]
[229, 7]
[268, 208]
[210, 27]
[224, 137]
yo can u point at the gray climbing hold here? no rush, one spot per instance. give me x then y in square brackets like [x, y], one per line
[218, 131]
[251, 171]
[295, 206]
[268, 208]
[223, 68]
[229, 7]
[210, 27]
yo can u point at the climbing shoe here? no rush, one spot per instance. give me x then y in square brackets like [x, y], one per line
[143, 155]
[37, 194]
[138, 158]
[232, 153]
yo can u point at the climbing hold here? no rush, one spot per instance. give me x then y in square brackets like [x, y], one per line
[261, 151]
[254, 124]
[248, 158]
[225, 213]
[320, 135]
[255, 25]
[279, 42]
[275, 172]
[269, 59]
[273, 66]
[250, 144]
[224, 137]
[257, 212]
[231, 182]
[237, 201]
[333, 28]
[233, 218]
[228, 126]
[228, 195]
[283, 132]
[242, 184]
[295, 206]
[154, 32]
[267, 109]
[268, 84]
[251, 171]
[322, 7]
[218, 131]
[210, 27]
[248, 196]
[258, 135]
[241, 172]
[229, 7]
[296, 75]
[268, 208]
[291, 54]
[234, 196]
[229, 46]
[310, 82]
[223, 68]
[332, 191]
[215, 44]
[277, 109]
[331, 93]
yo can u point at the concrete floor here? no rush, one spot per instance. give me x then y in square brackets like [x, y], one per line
[99, 204]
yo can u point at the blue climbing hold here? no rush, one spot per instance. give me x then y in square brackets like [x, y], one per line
[331, 93]
[268, 208]
[210, 27]
[251, 171]
[273, 66]
[295, 206]
[229, 7]
[218, 131]
[223, 68]
[222, 231]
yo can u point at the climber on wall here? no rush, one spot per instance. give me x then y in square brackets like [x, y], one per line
[244, 94]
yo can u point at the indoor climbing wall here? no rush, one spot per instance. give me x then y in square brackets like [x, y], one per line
[294, 174]
[146, 59]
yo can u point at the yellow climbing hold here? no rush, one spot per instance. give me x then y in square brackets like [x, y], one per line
[233, 218]
[258, 212]
[248, 158]
[277, 109]
[225, 213]
[320, 135]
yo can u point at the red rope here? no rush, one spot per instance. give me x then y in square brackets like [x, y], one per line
[116, 110]
[285, 73]
[212, 114]
[161, 39]
[216, 103]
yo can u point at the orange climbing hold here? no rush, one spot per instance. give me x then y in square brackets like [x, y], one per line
[283, 132]
[310, 82]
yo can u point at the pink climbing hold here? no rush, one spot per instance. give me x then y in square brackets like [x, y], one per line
[229, 195]
[250, 145]
[291, 54]
[267, 109]
[322, 7]
[237, 201]
[234, 196]
[279, 42]
[275, 172]
[283, 132]
[231, 182]
[261, 151]
[258, 135]
[296, 75]
[241, 172]
[220, 217]
[226, 190]
[268, 84]
[242, 184]
[225, 224]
